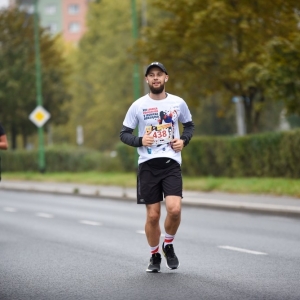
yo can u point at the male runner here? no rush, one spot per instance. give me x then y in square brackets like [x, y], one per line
[159, 144]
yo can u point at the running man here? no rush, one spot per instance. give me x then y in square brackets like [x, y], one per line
[159, 145]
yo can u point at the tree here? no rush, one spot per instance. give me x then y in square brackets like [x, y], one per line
[17, 74]
[102, 81]
[279, 71]
[209, 46]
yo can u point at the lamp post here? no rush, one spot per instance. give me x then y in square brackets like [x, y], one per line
[144, 24]
[240, 115]
[136, 75]
[39, 98]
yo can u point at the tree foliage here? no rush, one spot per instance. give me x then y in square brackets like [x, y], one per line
[280, 71]
[212, 46]
[102, 82]
[17, 74]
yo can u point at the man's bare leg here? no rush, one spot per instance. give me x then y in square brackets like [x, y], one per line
[152, 228]
[173, 218]
[172, 222]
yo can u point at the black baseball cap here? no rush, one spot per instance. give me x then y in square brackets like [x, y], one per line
[156, 64]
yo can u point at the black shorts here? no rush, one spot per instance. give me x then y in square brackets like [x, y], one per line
[158, 178]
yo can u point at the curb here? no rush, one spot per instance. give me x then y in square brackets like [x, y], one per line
[281, 210]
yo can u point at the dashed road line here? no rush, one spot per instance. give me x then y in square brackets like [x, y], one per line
[92, 223]
[44, 215]
[242, 250]
[143, 232]
[9, 209]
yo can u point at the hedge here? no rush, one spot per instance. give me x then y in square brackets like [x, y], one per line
[59, 159]
[263, 155]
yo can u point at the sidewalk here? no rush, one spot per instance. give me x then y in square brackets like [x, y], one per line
[280, 205]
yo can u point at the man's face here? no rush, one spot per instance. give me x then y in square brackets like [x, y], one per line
[156, 80]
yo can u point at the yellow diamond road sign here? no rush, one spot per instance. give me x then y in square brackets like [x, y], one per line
[39, 116]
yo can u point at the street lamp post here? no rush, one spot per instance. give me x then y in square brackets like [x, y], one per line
[39, 98]
[144, 24]
[136, 76]
[240, 115]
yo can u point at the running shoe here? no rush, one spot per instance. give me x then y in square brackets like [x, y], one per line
[172, 260]
[154, 264]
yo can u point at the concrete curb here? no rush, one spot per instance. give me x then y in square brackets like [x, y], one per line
[274, 209]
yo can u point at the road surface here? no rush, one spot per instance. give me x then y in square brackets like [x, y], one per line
[65, 247]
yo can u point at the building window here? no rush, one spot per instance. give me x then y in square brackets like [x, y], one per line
[74, 27]
[73, 9]
[50, 9]
[52, 28]
[29, 8]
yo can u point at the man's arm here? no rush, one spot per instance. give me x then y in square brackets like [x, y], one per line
[3, 142]
[128, 138]
[188, 129]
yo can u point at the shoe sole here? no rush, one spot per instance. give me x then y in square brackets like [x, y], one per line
[153, 271]
[172, 268]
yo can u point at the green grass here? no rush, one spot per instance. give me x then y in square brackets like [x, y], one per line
[275, 186]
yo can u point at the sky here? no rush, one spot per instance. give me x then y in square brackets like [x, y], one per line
[3, 3]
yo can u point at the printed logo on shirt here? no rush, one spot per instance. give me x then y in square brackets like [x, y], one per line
[150, 113]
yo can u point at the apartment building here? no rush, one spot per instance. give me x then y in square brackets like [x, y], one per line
[59, 16]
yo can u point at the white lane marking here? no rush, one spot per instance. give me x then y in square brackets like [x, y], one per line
[143, 232]
[242, 250]
[44, 215]
[9, 209]
[86, 222]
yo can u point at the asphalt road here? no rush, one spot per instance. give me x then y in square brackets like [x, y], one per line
[64, 247]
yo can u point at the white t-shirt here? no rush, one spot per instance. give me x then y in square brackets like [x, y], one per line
[160, 118]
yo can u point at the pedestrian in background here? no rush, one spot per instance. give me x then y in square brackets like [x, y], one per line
[159, 144]
[3, 139]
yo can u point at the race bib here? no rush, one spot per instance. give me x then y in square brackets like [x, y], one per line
[162, 133]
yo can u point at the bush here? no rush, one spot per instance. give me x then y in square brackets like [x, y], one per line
[59, 159]
[264, 155]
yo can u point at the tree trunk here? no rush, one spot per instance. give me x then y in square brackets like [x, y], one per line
[13, 136]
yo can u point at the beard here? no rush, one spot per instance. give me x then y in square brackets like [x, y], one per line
[158, 90]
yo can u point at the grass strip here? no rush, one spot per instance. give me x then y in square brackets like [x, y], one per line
[273, 186]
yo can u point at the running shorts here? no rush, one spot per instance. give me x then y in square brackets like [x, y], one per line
[158, 178]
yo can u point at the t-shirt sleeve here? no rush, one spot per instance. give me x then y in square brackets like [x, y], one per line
[2, 131]
[131, 119]
[185, 114]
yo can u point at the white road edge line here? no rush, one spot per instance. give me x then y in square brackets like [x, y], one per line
[242, 250]
[86, 222]
[9, 209]
[143, 232]
[44, 215]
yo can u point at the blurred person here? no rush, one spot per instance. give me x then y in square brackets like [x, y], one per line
[3, 139]
[159, 145]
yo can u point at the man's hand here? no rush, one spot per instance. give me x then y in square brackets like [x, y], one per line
[147, 140]
[177, 145]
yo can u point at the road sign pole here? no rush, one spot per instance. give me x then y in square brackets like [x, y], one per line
[39, 99]
[136, 75]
